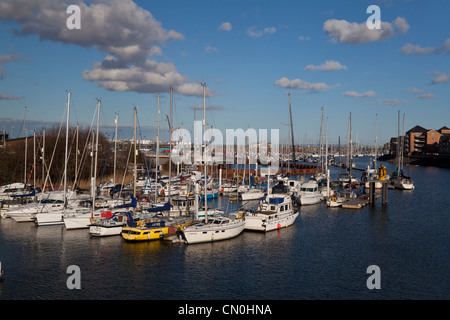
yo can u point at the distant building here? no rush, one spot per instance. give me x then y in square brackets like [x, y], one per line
[419, 140]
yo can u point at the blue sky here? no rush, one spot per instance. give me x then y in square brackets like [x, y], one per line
[249, 53]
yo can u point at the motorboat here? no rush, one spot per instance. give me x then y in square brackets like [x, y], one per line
[309, 193]
[275, 212]
[110, 223]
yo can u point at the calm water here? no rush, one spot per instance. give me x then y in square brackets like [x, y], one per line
[324, 255]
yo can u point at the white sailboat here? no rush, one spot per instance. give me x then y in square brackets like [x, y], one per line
[212, 228]
[55, 217]
[252, 193]
[398, 179]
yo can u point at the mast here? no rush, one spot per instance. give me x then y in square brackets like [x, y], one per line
[34, 159]
[96, 143]
[115, 148]
[76, 157]
[67, 143]
[26, 147]
[157, 147]
[135, 154]
[376, 141]
[351, 148]
[204, 150]
[43, 160]
[292, 130]
[170, 140]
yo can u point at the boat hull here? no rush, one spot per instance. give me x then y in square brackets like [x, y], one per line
[265, 223]
[252, 196]
[49, 218]
[200, 235]
[102, 231]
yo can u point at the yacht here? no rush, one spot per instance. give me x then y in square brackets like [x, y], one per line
[214, 229]
[110, 223]
[153, 228]
[309, 193]
[252, 194]
[274, 212]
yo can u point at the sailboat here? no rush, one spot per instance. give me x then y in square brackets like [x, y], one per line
[398, 179]
[153, 224]
[214, 228]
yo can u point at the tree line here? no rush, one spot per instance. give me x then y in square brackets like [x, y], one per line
[50, 143]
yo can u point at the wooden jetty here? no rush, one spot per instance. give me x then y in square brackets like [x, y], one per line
[357, 203]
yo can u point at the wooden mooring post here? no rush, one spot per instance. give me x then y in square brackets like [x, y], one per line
[384, 191]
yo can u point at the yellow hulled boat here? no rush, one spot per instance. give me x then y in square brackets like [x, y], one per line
[154, 230]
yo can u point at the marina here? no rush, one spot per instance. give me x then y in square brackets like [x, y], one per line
[235, 154]
[324, 254]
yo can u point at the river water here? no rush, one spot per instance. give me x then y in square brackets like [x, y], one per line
[324, 255]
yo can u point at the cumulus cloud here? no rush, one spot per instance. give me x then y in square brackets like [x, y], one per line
[417, 50]
[422, 93]
[427, 96]
[329, 65]
[440, 78]
[226, 26]
[355, 94]
[208, 107]
[357, 33]
[254, 32]
[302, 85]
[8, 97]
[391, 102]
[9, 57]
[129, 35]
[210, 50]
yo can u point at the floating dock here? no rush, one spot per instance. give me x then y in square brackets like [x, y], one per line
[355, 203]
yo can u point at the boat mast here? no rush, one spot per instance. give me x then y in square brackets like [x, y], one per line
[67, 143]
[96, 155]
[170, 141]
[157, 147]
[376, 141]
[115, 148]
[26, 148]
[135, 153]
[204, 150]
[292, 130]
[351, 149]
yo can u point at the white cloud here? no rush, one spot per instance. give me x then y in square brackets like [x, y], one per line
[207, 107]
[270, 30]
[301, 85]
[440, 78]
[8, 97]
[357, 33]
[417, 50]
[427, 96]
[329, 65]
[254, 32]
[391, 102]
[210, 50]
[303, 38]
[226, 26]
[129, 35]
[354, 94]
[9, 58]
